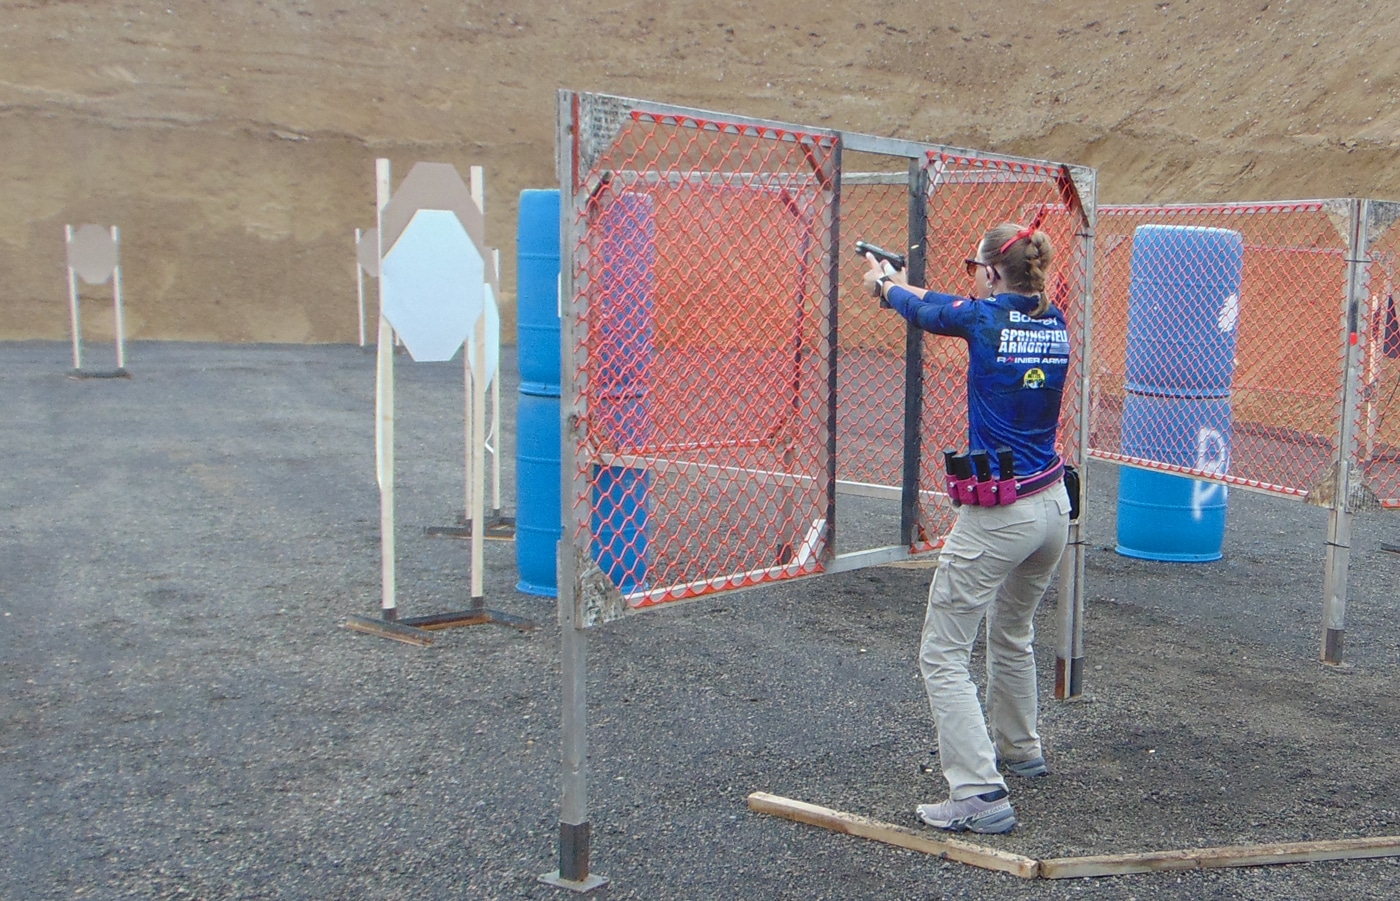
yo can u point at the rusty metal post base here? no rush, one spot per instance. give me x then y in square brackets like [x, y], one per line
[418, 629]
[98, 374]
[573, 860]
[1332, 646]
[1069, 678]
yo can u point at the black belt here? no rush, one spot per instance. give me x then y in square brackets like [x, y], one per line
[1041, 480]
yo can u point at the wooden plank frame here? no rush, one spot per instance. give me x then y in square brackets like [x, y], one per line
[913, 839]
[1074, 867]
[1214, 858]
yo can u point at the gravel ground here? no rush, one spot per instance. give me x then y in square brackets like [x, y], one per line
[184, 715]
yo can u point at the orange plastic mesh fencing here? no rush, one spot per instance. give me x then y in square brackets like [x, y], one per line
[701, 279]
[870, 399]
[963, 196]
[1378, 426]
[717, 417]
[1219, 341]
[967, 196]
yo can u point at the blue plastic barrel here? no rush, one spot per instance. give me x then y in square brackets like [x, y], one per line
[1183, 309]
[1169, 517]
[619, 525]
[537, 291]
[538, 513]
[1194, 432]
[1183, 316]
[623, 356]
[1162, 516]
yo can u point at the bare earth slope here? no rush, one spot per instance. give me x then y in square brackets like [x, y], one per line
[233, 143]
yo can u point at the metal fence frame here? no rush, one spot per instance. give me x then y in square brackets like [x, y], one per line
[1365, 465]
[587, 123]
[1362, 473]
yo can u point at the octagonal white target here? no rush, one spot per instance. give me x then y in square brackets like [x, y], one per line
[432, 285]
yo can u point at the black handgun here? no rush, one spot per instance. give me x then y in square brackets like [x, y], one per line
[895, 260]
[885, 256]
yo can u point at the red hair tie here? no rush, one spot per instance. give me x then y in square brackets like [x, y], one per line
[1023, 233]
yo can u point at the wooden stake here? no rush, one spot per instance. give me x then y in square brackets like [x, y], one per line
[384, 411]
[914, 840]
[74, 316]
[117, 323]
[1210, 858]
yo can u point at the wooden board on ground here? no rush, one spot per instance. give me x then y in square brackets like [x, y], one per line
[1207, 858]
[388, 629]
[1074, 867]
[926, 562]
[914, 840]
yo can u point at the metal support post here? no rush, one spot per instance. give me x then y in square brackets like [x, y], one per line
[1069, 655]
[910, 530]
[1338, 557]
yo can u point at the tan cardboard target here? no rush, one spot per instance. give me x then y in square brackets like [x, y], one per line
[92, 254]
[436, 282]
[433, 186]
[367, 252]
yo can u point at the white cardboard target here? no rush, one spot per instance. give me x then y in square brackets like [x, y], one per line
[432, 284]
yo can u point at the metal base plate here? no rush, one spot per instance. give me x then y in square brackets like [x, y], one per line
[587, 884]
[98, 374]
[418, 629]
[495, 528]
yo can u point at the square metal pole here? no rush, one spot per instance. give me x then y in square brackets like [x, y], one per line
[1338, 560]
[574, 833]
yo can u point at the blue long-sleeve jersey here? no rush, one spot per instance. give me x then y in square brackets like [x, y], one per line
[1016, 369]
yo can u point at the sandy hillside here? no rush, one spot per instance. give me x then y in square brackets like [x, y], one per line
[233, 142]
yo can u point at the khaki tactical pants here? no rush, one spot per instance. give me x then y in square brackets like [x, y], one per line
[996, 563]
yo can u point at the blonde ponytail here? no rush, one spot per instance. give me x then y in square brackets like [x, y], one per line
[1022, 255]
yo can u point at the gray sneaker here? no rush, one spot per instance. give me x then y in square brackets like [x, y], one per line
[988, 814]
[1028, 769]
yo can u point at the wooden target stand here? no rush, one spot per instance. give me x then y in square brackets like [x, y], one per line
[94, 256]
[1073, 867]
[496, 526]
[438, 189]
